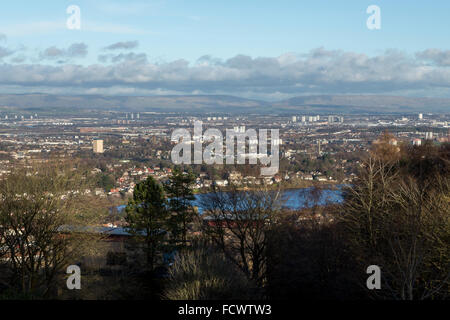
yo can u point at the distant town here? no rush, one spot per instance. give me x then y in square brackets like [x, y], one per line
[125, 148]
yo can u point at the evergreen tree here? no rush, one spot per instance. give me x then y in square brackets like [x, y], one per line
[180, 193]
[147, 216]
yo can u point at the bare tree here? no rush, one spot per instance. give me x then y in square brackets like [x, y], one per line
[401, 222]
[419, 235]
[39, 209]
[237, 221]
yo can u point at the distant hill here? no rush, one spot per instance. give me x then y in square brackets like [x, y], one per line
[202, 103]
[362, 104]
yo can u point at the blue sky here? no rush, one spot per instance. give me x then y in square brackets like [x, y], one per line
[168, 32]
[190, 29]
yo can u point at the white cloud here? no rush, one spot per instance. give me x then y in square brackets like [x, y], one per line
[436, 56]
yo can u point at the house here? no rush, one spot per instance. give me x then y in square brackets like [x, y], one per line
[99, 192]
[116, 242]
[221, 183]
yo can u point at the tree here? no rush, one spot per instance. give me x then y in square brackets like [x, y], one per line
[180, 193]
[106, 181]
[146, 215]
[398, 217]
[37, 207]
[237, 222]
[307, 259]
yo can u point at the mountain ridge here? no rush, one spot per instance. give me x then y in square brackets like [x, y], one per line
[371, 104]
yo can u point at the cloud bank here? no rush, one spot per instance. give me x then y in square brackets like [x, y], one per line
[318, 71]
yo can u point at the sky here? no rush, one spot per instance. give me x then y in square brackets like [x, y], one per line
[268, 50]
